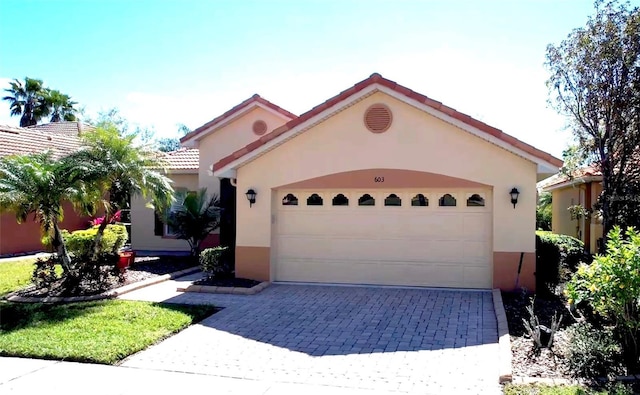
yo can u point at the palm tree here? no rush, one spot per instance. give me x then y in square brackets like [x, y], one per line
[27, 100]
[119, 170]
[60, 106]
[37, 185]
[193, 216]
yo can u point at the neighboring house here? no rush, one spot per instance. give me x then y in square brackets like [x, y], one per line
[377, 185]
[583, 189]
[73, 128]
[22, 238]
[149, 235]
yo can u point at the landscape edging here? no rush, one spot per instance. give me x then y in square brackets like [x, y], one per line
[113, 293]
[504, 341]
[225, 290]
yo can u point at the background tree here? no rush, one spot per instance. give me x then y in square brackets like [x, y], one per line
[27, 100]
[595, 81]
[169, 144]
[60, 106]
[544, 211]
[38, 185]
[193, 216]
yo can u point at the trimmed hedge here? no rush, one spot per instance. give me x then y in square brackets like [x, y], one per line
[79, 242]
[557, 257]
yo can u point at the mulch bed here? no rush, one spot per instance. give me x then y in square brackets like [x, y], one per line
[547, 364]
[228, 282]
[143, 268]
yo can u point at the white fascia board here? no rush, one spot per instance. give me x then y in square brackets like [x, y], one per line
[575, 181]
[193, 141]
[296, 130]
[543, 166]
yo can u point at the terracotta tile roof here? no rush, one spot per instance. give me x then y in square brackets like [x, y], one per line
[66, 127]
[378, 79]
[578, 177]
[253, 99]
[14, 140]
[183, 159]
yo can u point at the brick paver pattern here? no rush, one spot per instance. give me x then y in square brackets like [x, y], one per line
[393, 339]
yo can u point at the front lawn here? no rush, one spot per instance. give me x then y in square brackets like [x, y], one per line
[541, 389]
[101, 332]
[15, 275]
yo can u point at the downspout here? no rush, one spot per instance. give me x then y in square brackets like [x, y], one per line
[233, 182]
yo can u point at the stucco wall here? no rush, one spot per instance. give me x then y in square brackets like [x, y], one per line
[21, 238]
[142, 220]
[415, 141]
[561, 221]
[230, 138]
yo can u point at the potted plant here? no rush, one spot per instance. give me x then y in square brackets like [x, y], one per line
[127, 257]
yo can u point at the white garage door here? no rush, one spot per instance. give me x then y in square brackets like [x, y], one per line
[437, 238]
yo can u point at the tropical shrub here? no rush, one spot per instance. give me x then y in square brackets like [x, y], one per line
[211, 261]
[557, 257]
[610, 286]
[44, 272]
[592, 353]
[80, 242]
[193, 216]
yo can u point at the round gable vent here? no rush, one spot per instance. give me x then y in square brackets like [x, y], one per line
[378, 118]
[259, 127]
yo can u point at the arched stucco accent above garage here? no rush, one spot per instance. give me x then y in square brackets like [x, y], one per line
[383, 179]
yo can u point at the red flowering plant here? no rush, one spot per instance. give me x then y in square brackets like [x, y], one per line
[114, 218]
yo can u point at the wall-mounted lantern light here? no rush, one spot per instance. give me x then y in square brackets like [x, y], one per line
[514, 196]
[251, 196]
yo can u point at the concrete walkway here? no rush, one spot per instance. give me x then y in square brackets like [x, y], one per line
[34, 376]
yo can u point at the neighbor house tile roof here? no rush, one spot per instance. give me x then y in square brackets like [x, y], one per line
[20, 141]
[378, 79]
[253, 99]
[586, 173]
[66, 127]
[183, 159]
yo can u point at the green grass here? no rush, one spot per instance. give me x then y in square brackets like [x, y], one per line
[101, 332]
[15, 275]
[541, 389]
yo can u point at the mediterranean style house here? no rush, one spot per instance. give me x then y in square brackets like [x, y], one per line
[377, 185]
[583, 189]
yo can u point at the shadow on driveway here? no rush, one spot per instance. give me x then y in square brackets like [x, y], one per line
[335, 320]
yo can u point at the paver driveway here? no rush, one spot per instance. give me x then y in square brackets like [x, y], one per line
[406, 340]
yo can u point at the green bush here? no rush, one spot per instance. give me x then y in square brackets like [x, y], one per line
[557, 257]
[592, 353]
[44, 272]
[79, 242]
[610, 286]
[211, 262]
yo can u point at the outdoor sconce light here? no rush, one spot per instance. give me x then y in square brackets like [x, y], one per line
[251, 196]
[514, 196]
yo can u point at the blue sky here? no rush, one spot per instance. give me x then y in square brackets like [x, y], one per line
[168, 62]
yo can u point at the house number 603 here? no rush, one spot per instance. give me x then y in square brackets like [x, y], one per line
[378, 179]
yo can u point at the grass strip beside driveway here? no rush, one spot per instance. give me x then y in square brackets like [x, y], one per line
[100, 332]
[15, 275]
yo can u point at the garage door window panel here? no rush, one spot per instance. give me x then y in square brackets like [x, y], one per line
[290, 200]
[475, 200]
[420, 200]
[366, 200]
[393, 200]
[447, 200]
[340, 200]
[314, 200]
